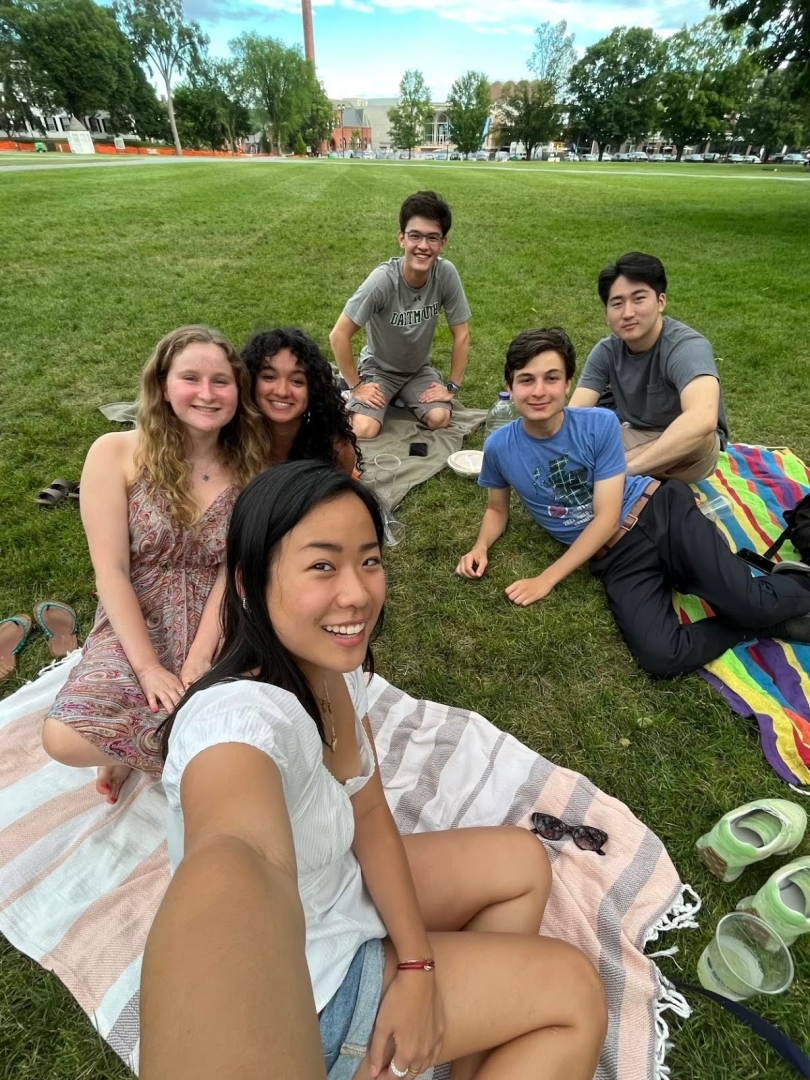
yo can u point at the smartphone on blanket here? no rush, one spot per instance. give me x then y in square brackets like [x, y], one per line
[759, 562]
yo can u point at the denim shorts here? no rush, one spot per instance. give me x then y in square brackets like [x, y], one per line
[347, 1021]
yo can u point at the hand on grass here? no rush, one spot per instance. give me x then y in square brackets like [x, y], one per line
[473, 564]
[527, 590]
[161, 688]
[435, 392]
[370, 394]
[411, 1018]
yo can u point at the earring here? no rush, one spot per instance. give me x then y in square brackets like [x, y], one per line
[244, 603]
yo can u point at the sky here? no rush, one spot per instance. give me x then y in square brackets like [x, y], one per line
[363, 47]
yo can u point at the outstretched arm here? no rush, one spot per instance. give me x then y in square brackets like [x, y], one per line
[225, 989]
[341, 341]
[493, 524]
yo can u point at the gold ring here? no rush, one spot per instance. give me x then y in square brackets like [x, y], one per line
[414, 1072]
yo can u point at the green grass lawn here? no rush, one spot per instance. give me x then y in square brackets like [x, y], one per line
[98, 265]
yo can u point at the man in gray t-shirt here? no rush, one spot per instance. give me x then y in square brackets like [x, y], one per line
[399, 305]
[662, 375]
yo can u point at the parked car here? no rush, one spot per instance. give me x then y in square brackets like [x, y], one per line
[482, 155]
[638, 155]
[734, 159]
[502, 155]
[670, 157]
[622, 157]
[455, 155]
[751, 159]
[656, 157]
[712, 157]
[571, 156]
[589, 157]
[793, 159]
[693, 158]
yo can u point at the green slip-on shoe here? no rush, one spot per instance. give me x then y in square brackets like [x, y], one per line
[783, 902]
[750, 834]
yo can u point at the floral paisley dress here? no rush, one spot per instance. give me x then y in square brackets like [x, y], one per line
[172, 570]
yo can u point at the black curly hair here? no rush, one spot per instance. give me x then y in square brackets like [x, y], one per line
[325, 425]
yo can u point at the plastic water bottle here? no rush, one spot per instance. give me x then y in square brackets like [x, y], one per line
[502, 412]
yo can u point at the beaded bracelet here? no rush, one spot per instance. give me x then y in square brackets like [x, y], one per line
[428, 964]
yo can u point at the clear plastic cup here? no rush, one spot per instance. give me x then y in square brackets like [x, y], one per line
[717, 507]
[745, 957]
[386, 466]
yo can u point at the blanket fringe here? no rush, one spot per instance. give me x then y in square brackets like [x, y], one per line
[680, 915]
[668, 999]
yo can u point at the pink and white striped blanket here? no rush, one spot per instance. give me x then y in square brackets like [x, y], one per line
[80, 880]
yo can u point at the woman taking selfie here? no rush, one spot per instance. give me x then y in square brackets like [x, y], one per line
[418, 949]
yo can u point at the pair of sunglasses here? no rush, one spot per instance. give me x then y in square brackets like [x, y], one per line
[584, 836]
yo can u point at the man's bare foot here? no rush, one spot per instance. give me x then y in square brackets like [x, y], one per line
[110, 780]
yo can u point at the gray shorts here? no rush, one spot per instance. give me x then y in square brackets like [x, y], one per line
[406, 386]
[347, 1022]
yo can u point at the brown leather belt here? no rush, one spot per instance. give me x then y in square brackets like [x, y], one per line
[630, 520]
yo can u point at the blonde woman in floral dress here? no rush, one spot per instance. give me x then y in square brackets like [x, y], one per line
[155, 505]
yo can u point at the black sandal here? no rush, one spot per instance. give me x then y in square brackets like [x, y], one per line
[59, 490]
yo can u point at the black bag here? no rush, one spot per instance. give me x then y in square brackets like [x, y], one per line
[797, 531]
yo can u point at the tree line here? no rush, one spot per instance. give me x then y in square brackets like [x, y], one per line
[742, 78]
[721, 81]
[80, 58]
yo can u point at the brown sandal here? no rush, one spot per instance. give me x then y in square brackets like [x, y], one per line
[59, 623]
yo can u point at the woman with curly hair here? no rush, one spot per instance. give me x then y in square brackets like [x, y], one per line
[294, 389]
[155, 505]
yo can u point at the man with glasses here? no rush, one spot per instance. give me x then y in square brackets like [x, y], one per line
[399, 305]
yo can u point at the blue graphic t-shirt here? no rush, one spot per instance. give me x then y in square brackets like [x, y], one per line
[554, 477]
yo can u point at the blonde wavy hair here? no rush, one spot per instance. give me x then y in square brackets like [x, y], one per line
[162, 450]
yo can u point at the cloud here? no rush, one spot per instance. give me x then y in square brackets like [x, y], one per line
[216, 11]
[355, 5]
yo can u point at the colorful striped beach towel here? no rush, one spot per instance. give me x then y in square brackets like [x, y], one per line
[766, 679]
[80, 880]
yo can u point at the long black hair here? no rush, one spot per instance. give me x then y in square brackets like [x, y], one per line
[267, 509]
[325, 425]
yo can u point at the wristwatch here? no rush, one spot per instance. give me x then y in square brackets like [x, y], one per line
[453, 387]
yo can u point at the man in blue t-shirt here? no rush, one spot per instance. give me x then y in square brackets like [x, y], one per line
[643, 537]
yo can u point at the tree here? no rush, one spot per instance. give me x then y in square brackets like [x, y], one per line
[414, 110]
[319, 120]
[468, 108]
[773, 118]
[615, 86]
[780, 29]
[707, 79]
[300, 145]
[278, 82]
[529, 113]
[162, 38]
[221, 78]
[71, 53]
[17, 89]
[553, 57]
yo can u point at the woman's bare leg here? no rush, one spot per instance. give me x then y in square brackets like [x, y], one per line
[537, 1004]
[495, 879]
[63, 744]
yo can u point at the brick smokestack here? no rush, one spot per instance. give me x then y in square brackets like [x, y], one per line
[309, 43]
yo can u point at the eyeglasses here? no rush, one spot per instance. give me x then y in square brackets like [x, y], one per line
[434, 239]
[584, 836]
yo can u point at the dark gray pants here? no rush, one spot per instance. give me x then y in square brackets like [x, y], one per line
[674, 546]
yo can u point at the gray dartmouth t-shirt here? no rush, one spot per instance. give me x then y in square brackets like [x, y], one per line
[647, 386]
[400, 321]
